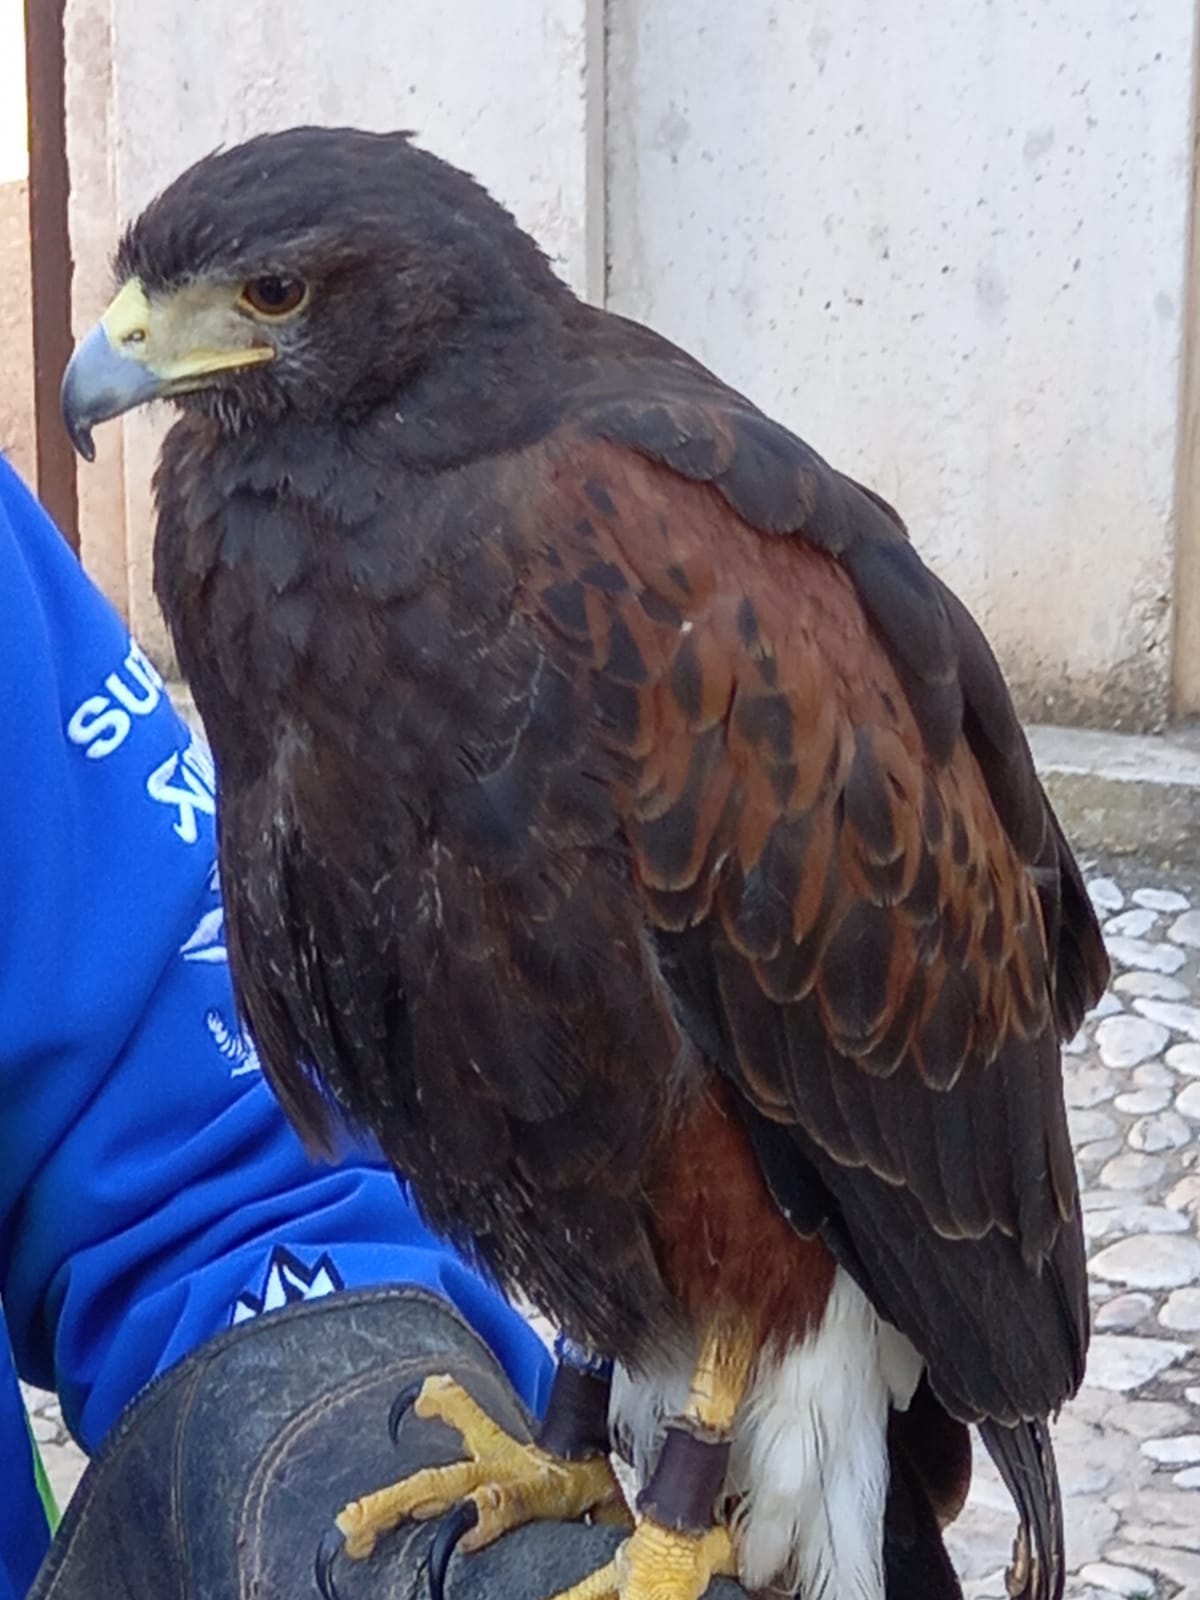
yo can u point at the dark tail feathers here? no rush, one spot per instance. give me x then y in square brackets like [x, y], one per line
[1025, 1458]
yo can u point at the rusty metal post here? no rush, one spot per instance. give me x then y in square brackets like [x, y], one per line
[50, 254]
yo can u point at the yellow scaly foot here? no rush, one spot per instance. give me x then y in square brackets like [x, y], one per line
[657, 1563]
[509, 1483]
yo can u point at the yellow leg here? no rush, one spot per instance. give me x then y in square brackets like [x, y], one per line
[510, 1483]
[719, 1381]
[665, 1563]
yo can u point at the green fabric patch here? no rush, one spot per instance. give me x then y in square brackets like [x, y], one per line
[49, 1503]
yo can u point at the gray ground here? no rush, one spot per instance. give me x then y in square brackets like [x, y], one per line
[1129, 1445]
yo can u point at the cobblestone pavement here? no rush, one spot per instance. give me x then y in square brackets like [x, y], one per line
[1129, 1444]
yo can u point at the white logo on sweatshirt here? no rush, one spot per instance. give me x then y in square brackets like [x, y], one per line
[102, 722]
[287, 1280]
[206, 944]
[236, 1047]
[188, 782]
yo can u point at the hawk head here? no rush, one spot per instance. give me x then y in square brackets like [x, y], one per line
[316, 272]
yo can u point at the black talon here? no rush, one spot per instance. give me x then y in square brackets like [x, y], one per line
[327, 1552]
[401, 1406]
[454, 1525]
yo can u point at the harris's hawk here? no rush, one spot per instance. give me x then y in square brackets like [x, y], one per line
[621, 822]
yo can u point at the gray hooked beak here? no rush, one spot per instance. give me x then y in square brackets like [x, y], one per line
[100, 383]
[143, 349]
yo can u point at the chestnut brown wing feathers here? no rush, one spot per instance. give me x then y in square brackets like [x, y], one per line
[860, 897]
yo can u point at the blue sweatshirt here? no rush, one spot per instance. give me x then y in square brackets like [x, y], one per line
[151, 1193]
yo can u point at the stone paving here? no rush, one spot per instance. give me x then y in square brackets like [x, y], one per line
[1129, 1444]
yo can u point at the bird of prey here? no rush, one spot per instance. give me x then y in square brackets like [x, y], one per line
[621, 822]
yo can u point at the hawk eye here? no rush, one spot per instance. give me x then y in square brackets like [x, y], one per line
[273, 296]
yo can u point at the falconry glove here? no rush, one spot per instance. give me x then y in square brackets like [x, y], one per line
[219, 1478]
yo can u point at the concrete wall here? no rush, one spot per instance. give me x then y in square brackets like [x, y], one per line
[947, 243]
[16, 332]
[14, 158]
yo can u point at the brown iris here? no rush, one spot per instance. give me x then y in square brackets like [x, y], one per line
[274, 296]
